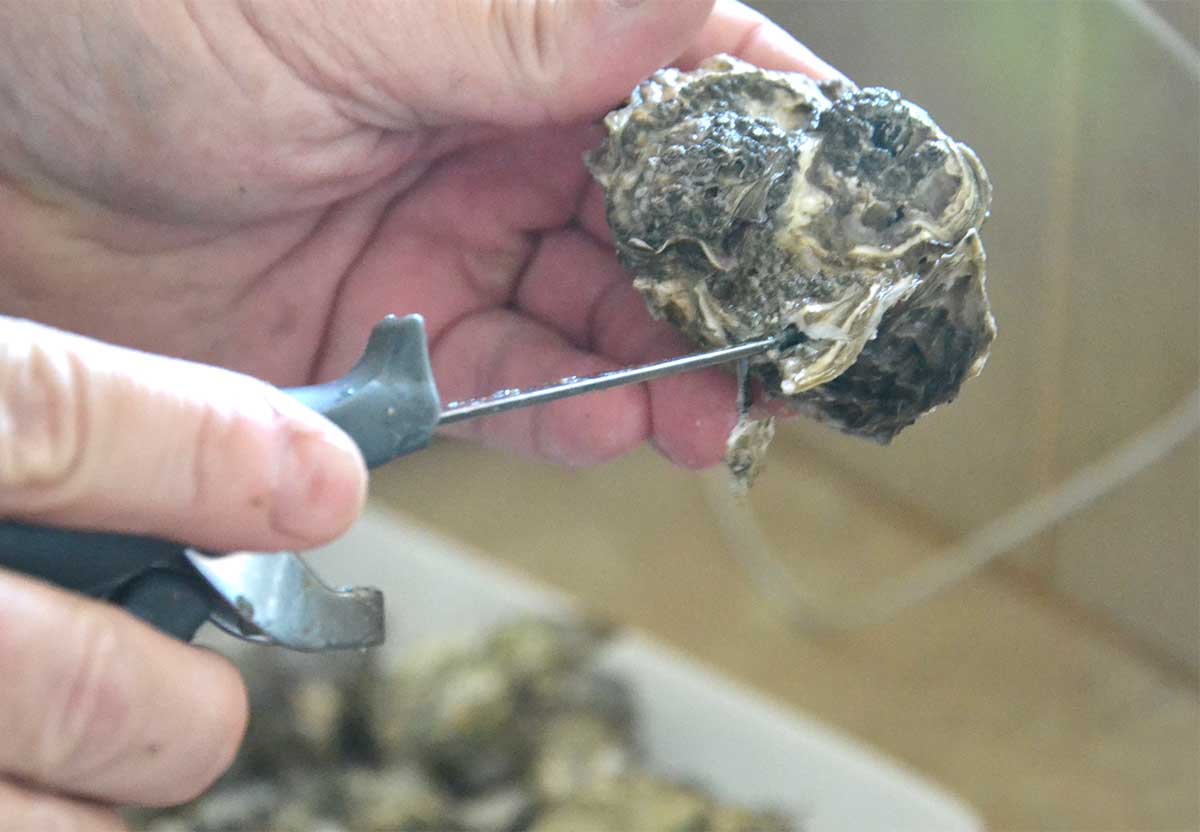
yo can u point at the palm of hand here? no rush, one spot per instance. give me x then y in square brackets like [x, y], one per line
[502, 246]
[278, 257]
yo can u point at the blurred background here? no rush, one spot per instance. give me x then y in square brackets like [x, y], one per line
[1057, 688]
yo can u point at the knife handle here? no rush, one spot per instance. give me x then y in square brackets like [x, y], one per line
[388, 402]
[149, 577]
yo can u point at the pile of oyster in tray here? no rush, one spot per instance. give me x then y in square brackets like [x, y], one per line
[516, 731]
[749, 203]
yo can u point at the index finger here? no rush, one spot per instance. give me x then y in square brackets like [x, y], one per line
[753, 37]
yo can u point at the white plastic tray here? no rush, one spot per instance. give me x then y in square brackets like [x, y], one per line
[694, 724]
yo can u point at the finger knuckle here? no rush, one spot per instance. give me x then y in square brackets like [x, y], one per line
[230, 460]
[43, 413]
[90, 709]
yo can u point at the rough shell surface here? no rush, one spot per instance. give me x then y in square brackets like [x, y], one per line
[748, 203]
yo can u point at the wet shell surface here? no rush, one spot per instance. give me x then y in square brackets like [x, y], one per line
[748, 202]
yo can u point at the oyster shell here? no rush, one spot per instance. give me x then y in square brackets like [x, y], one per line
[747, 202]
[517, 731]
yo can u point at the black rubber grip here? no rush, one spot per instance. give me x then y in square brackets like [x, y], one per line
[387, 403]
[149, 577]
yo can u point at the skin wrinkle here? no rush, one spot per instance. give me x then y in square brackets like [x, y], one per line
[520, 41]
[487, 375]
[482, 373]
[141, 236]
[52, 387]
[323, 345]
[308, 236]
[212, 43]
[474, 266]
[429, 227]
[342, 78]
[615, 292]
[542, 285]
[592, 215]
[272, 46]
[91, 709]
[505, 26]
[519, 272]
[611, 335]
[436, 337]
[572, 222]
[539, 418]
[353, 147]
[199, 465]
[461, 193]
[373, 155]
[513, 281]
[19, 93]
[544, 53]
[195, 281]
[751, 36]
[514, 247]
[368, 77]
[332, 222]
[316, 224]
[125, 72]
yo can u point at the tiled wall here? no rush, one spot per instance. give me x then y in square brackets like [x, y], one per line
[1090, 131]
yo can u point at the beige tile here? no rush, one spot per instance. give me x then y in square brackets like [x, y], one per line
[989, 74]
[1029, 711]
[1182, 15]
[1090, 131]
[1132, 227]
[1134, 270]
[1136, 556]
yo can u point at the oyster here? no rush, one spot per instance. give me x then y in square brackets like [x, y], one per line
[747, 202]
[517, 731]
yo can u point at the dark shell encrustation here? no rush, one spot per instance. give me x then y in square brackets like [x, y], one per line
[748, 203]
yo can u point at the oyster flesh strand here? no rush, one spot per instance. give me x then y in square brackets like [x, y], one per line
[747, 202]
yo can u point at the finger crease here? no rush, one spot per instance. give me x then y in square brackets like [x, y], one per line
[502, 290]
[752, 34]
[596, 314]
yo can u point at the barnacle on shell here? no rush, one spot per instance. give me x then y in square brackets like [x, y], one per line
[748, 202]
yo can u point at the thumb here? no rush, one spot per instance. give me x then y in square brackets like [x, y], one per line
[571, 59]
[511, 62]
[100, 437]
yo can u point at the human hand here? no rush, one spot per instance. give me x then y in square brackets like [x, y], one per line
[254, 184]
[95, 708]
